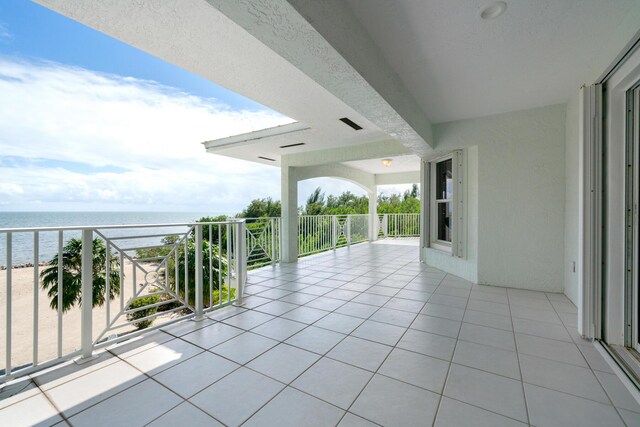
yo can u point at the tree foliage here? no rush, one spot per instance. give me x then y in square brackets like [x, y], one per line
[72, 275]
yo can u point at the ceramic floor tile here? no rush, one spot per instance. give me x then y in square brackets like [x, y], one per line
[417, 369]
[182, 412]
[135, 406]
[350, 420]
[245, 347]
[459, 302]
[383, 333]
[248, 319]
[553, 408]
[559, 351]
[276, 308]
[235, 398]
[292, 408]
[444, 311]
[305, 314]
[619, 394]
[325, 303]
[487, 319]
[371, 299]
[392, 403]
[195, 374]
[210, 336]
[405, 305]
[339, 323]
[489, 391]
[563, 377]
[541, 329]
[361, 353]
[315, 339]
[632, 419]
[333, 381]
[489, 307]
[487, 336]
[413, 295]
[429, 344]
[437, 325]
[548, 316]
[298, 298]
[33, 411]
[456, 413]
[279, 329]
[163, 356]
[77, 395]
[394, 317]
[342, 294]
[283, 362]
[490, 359]
[363, 311]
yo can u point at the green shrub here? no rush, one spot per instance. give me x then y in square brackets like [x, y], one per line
[225, 295]
[139, 303]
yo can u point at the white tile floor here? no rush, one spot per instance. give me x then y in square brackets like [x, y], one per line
[364, 336]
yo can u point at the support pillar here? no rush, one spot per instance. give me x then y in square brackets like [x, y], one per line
[373, 214]
[289, 198]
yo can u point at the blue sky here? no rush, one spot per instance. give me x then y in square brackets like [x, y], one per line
[92, 124]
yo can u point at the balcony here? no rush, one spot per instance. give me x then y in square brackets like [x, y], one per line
[363, 335]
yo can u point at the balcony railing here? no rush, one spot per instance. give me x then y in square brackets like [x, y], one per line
[138, 277]
[142, 277]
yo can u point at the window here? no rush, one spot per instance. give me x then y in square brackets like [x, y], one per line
[445, 200]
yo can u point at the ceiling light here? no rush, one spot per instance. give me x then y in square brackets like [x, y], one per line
[386, 162]
[493, 10]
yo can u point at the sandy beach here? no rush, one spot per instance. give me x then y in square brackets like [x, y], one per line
[23, 317]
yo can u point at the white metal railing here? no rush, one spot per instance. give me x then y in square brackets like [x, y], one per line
[263, 241]
[319, 233]
[398, 225]
[134, 275]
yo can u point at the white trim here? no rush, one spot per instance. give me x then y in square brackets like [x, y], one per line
[457, 245]
[633, 390]
[590, 220]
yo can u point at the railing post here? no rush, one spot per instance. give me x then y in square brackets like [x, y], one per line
[273, 241]
[348, 230]
[86, 319]
[334, 232]
[241, 261]
[199, 279]
[385, 225]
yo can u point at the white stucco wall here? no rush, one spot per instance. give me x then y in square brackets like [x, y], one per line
[571, 207]
[521, 195]
[466, 267]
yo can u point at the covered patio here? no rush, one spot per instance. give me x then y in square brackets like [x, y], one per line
[365, 335]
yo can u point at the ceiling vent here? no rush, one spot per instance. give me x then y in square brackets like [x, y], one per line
[266, 158]
[292, 145]
[350, 123]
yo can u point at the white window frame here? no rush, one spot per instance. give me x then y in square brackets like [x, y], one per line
[456, 246]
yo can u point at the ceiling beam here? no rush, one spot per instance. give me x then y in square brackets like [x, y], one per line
[325, 40]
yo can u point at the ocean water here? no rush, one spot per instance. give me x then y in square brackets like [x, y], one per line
[22, 243]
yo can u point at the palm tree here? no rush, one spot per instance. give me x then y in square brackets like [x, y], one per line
[72, 275]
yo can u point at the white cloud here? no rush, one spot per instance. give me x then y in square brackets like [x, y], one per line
[5, 34]
[62, 113]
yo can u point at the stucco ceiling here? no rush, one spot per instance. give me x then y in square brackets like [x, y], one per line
[458, 66]
[399, 164]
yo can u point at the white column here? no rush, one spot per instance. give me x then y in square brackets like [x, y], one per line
[289, 198]
[373, 214]
[424, 208]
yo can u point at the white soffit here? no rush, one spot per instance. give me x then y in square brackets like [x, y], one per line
[262, 145]
[399, 164]
[537, 53]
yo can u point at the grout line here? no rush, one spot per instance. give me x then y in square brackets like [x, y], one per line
[515, 342]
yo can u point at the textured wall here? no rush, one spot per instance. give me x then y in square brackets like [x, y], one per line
[521, 194]
[466, 267]
[571, 207]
